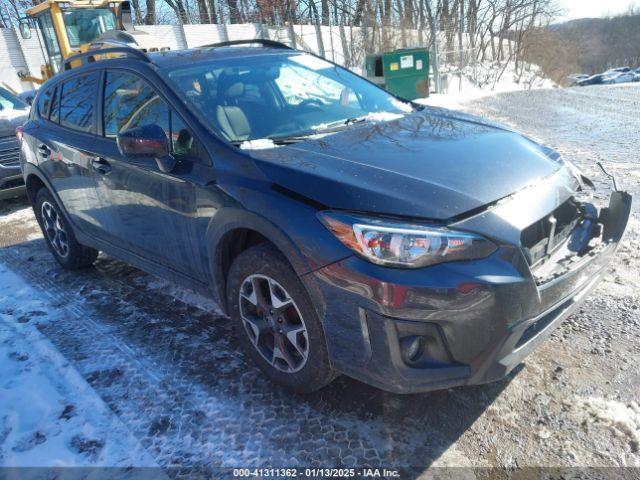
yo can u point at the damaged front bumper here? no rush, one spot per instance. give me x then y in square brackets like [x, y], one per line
[475, 320]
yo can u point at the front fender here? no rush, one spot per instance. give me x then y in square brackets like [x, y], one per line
[230, 218]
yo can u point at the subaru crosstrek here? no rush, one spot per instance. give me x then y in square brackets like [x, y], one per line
[344, 230]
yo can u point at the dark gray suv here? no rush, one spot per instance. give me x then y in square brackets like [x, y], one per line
[343, 230]
[13, 113]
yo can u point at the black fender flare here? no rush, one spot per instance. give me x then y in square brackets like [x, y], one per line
[228, 219]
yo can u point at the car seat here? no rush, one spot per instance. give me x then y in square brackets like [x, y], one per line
[230, 117]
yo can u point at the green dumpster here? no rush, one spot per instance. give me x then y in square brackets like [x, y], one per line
[404, 73]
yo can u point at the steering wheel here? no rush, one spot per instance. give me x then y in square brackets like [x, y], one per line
[311, 101]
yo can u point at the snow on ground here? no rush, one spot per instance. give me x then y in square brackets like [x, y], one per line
[485, 79]
[19, 215]
[49, 415]
[623, 419]
[174, 377]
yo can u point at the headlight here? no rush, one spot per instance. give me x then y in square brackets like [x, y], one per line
[400, 245]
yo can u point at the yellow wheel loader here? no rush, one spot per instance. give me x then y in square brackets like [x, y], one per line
[66, 28]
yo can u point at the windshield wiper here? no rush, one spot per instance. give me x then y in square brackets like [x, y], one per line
[288, 140]
[341, 123]
[284, 140]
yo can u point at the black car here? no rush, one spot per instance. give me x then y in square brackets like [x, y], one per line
[597, 79]
[13, 113]
[344, 230]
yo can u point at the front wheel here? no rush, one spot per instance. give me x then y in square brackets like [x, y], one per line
[275, 321]
[59, 235]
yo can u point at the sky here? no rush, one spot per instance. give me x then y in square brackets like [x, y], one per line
[594, 8]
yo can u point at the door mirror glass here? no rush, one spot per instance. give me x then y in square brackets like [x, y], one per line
[146, 141]
[25, 30]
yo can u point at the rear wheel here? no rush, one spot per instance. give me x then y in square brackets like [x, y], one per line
[59, 235]
[275, 321]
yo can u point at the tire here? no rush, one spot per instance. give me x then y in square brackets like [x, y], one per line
[263, 268]
[59, 235]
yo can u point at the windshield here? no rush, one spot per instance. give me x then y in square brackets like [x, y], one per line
[280, 96]
[84, 25]
[8, 101]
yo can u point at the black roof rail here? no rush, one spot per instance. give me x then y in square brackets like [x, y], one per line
[260, 41]
[89, 56]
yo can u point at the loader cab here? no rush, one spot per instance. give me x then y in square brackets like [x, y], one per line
[65, 28]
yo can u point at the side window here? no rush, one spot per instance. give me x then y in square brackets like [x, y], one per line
[54, 114]
[44, 101]
[77, 103]
[130, 102]
[183, 143]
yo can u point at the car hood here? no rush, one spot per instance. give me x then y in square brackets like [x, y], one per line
[9, 120]
[433, 164]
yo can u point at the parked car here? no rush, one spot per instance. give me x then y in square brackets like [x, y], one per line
[614, 78]
[573, 79]
[13, 113]
[592, 80]
[618, 70]
[344, 230]
[28, 95]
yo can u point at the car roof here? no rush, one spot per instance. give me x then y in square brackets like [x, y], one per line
[173, 58]
[177, 58]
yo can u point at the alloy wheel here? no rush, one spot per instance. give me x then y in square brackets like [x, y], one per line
[273, 323]
[54, 229]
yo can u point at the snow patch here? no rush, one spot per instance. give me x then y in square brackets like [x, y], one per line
[259, 144]
[402, 106]
[186, 296]
[382, 116]
[621, 418]
[483, 80]
[49, 415]
[22, 214]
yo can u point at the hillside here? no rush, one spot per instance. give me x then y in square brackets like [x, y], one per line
[587, 45]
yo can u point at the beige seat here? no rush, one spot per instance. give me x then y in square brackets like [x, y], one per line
[229, 115]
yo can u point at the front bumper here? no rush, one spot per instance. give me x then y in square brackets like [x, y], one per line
[11, 183]
[478, 319]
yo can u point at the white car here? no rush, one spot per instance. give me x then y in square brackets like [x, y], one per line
[619, 78]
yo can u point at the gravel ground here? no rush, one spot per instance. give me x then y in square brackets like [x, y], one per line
[168, 367]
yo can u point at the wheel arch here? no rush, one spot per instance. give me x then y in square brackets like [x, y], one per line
[231, 232]
[34, 181]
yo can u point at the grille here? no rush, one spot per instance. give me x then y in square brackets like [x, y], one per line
[541, 238]
[10, 156]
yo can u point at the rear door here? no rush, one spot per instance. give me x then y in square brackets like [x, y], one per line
[64, 143]
[155, 211]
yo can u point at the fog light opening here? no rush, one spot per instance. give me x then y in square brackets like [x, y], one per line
[412, 348]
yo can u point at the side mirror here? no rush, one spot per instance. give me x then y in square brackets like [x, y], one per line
[25, 30]
[147, 141]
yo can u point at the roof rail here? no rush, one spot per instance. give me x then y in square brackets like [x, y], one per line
[260, 41]
[89, 56]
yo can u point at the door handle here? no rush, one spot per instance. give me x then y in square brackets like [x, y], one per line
[100, 165]
[44, 151]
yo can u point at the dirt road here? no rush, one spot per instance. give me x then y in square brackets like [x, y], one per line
[165, 363]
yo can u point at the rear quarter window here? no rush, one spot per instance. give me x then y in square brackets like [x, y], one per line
[44, 102]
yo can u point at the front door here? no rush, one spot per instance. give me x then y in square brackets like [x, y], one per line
[155, 211]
